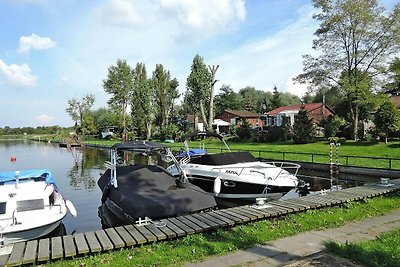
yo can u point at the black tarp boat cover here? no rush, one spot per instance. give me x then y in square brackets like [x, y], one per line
[149, 191]
[224, 158]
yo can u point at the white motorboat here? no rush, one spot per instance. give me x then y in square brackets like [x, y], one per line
[30, 205]
[235, 175]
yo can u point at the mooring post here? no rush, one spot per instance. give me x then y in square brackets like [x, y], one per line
[331, 163]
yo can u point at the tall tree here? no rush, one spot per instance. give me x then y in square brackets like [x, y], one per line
[355, 40]
[198, 85]
[79, 111]
[166, 91]
[276, 101]
[119, 84]
[142, 101]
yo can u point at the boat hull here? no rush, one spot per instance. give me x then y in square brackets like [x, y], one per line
[29, 234]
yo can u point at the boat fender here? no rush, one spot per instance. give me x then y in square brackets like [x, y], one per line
[217, 186]
[71, 208]
[49, 189]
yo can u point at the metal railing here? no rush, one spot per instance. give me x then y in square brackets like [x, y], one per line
[344, 160]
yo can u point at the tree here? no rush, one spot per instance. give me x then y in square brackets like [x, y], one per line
[303, 128]
[387, 119]
[227, 99]
[355, 40]
[79, 110]
[119, 84]
[276, 101]
[142, 101]
[166, 91]
[213, 70]
[198, 84]
[393, 87]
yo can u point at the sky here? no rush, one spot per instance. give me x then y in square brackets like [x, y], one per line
[52, 51]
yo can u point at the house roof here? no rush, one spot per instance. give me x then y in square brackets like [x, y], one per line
[242, 113]
[396, 101]
[308, 107]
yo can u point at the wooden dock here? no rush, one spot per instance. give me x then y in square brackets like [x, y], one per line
[80, 244]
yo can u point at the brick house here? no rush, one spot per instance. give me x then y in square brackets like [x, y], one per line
[234, 117]
[315, 111]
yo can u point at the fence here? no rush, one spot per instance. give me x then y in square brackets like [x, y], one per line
[344, 160]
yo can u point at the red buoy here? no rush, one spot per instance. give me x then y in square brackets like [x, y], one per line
[13, 159]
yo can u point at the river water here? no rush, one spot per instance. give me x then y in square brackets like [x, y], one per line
[77, 170]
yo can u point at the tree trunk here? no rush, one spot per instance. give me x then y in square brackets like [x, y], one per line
[355, 124]
[203, 115]
[213, 70]
[148, 130]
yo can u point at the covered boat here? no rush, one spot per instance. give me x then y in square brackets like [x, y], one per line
[30, 205]
[235, 175]
[132, 193]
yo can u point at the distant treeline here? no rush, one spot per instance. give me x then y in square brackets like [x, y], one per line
[34, 130]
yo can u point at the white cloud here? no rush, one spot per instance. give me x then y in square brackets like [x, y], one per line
[119, 13]
[205, 16]
[18, 75]
[34, 42]
[44, 119]
[272, 60]
[296, 88]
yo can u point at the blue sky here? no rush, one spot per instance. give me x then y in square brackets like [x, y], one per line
[55, 50]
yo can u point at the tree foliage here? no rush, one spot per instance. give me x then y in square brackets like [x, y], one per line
[303, 128]
[198, 86]
[119, 84]
[393, 87]
[387, 119]
[79, 110]
[226, 99]
[355, 40]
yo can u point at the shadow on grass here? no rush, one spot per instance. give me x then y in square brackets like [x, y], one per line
[394, 145]
[360, 255]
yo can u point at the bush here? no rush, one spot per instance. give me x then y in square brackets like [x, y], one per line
[303, 129]
[274, 134]
[244, 130]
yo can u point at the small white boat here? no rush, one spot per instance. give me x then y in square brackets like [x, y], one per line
[30, 205]
[235, 175]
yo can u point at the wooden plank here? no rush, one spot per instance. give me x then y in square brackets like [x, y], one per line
[104, 241]
[276, 204]
[294, 206]
[139, 238]
[194, 226]
[30, 252]
[306, 204]
[57, 251]
[251, 216]
[128, 239]
[315, 204]
[200, 223]
[81, 243]
[178, 231]
[150, 237]
[17, 254]
[298, 205]
[268, 212]
[259, 215]
[234, 218]
[317, 199]
[209, 220]
[167, 231]
[323, 200]
[93, 243]
[241, 217]
[217, 218]
[182, 226]
[156, 231]
[115, 238]
[346, 195]
[69, 246]
[44, 250]
[280, 210]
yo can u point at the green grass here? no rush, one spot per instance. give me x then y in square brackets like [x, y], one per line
[200, 246]
[384, 251]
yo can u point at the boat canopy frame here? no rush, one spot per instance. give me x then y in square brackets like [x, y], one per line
[188, 136]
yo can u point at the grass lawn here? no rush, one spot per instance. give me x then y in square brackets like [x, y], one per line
[200, 246]
[384, 251]
[349, 153]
